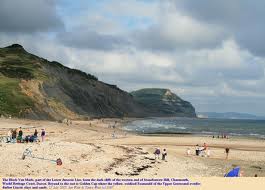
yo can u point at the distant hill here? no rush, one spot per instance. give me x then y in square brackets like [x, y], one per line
[163, 102]
[228, 115]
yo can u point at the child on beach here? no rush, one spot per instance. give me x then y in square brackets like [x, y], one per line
[43, 134]
[164, 154]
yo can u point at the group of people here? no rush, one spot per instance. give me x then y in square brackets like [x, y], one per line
[158, 152]
[205, 151]
[222, 136]
[17, 136]
[201, 150]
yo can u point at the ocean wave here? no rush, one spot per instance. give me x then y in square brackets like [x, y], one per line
[203, 127]
[183, 128]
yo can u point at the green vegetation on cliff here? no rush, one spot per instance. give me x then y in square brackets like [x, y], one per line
[12, 100]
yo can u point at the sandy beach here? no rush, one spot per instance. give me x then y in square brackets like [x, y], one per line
[88, 149]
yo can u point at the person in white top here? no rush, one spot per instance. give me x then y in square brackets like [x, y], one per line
[9, 136]
[188, 151]
[164, 154]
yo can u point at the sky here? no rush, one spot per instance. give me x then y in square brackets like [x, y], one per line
[209, 52]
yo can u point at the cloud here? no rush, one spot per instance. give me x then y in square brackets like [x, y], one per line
[29, 16]
[173, 30]
[243, 19]
[148, 26]
[92, 40]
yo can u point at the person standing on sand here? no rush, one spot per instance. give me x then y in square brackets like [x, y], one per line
[43, 134]
[227, 152]
[197, 150]
[157, 153]
[35, 133]
[20, 135]
[20, 132]
[9, 135]
[164, 154]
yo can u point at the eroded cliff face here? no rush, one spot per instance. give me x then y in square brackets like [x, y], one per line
[33, 87]
[162, 102]
[48, 90]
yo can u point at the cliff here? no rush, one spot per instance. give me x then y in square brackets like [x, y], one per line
[162, 102]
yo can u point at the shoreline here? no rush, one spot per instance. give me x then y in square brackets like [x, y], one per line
[238, 136]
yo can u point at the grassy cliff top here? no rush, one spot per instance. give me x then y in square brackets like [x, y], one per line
[17, 64]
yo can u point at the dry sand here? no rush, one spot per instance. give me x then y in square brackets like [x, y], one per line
[91, 151]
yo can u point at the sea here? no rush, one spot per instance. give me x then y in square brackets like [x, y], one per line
[197, 126]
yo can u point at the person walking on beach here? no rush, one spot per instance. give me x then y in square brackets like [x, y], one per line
[43, 134]
[164, 154]
[227, 152]
[157, 153]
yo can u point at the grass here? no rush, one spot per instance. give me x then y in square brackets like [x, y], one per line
[12, 100]
[21, 65]
[15, 65]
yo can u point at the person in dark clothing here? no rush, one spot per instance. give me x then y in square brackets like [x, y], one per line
[43, 134]
[31, 138]
[35, 136]
[20, 135]
[35, 133]
[227, 152]
[20, 132]
[157, 153]
[14, 134]
[27, 139]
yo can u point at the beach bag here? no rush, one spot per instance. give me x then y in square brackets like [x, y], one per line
[59, 162]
